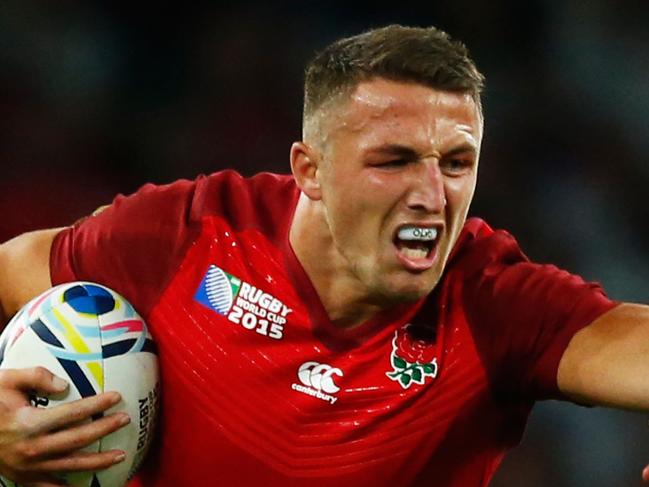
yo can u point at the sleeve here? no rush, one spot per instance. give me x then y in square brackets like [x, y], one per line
[132, 246]
[524, 316]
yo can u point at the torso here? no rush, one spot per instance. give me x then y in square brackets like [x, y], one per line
[237, 413]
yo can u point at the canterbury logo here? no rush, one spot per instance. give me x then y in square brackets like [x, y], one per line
[319, 376]
[318, 381]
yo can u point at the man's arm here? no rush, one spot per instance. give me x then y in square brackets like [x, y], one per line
[607, 362]
[24, 270]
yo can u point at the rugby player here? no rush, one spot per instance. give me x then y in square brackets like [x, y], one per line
[343, 325]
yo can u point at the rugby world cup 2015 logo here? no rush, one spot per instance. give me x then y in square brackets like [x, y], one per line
[413, 357]
[242, 303]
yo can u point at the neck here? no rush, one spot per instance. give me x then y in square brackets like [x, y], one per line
[343, 296]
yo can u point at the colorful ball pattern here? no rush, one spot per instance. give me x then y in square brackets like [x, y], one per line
[65, 318]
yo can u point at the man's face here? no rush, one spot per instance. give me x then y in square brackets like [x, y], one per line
[398, 165]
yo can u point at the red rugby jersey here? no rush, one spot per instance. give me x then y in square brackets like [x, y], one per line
[259, 388]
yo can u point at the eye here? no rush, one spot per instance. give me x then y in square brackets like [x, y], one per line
[392, 164]
[456, 166]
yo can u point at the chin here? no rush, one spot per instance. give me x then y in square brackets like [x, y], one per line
[398, 293]
[397, 286]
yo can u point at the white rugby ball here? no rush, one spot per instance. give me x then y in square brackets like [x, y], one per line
[92, 337]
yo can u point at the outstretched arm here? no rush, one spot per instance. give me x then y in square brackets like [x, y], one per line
[607, 363]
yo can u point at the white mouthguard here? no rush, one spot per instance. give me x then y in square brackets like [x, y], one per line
[417, 233]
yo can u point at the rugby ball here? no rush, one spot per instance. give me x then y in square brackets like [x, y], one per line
[92, 337]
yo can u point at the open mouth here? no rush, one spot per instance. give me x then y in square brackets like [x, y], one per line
[416, 245]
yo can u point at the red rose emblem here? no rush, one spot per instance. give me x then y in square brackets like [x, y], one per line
[414, 350]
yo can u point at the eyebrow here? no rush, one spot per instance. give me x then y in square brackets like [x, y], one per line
[398, 150]
[406, 152]
[461, 149]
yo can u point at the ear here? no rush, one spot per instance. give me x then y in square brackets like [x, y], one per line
[304, 165]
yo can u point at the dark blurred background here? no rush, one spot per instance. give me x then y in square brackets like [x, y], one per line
[97, 98]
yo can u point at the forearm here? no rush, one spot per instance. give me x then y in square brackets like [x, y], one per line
[607, 363]
[24, 270]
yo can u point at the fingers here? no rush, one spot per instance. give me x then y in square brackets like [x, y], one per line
[645, 474]
[81, 462]
[42, 472]
[34, 457]
[78, 437]
[44, 420]
[36, 442]
[38, 379]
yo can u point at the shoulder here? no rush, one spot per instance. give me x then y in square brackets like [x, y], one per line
[265, 201]
[492, 260]
[228, 190]
[225, 193]
[480, 247]
[521, 314]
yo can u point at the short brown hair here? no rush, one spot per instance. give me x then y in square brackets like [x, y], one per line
[422, 55]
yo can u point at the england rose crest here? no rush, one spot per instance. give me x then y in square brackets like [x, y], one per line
[413, 356]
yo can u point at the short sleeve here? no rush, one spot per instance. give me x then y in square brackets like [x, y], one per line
[524, 315]
[132, 246]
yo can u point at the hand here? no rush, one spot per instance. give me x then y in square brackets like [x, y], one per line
[36, 443]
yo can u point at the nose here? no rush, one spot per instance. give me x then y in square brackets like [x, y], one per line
[428, 193]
